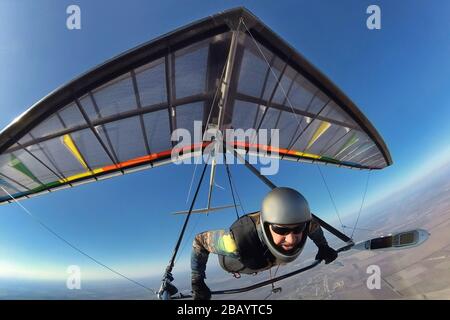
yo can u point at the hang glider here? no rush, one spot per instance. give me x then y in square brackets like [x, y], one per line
[118, 117]
[227, 71]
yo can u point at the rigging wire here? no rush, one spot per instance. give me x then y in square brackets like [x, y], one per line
[36, 219]
[189, 213]
[268, 296]
[233, 190]
[241, 204]
[183, 230]
[273, 283]
[231, 187]
[273, 73]
[276, 271]
[359, 228]
[237, 193]
[197, 161]
[362, 203]
[331, 197]
[189, 236]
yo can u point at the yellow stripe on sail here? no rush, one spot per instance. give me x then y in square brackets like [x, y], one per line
[319, 131]
[81, 175]
[68, 142]
[310, 155]
[307, 155]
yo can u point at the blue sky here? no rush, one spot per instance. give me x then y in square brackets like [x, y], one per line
[398, 76]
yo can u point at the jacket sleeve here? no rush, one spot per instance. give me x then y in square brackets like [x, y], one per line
[215, 241]
[316, 234]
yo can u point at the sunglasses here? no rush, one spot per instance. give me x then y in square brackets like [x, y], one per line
[283, 231]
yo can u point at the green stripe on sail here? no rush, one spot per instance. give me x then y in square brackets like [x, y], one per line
[328, 159]
[19, 166]
[46, 186]
[352, 140]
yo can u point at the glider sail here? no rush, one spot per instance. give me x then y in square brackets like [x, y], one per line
[119, 117]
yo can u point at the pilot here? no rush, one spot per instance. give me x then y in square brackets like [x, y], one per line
[255, 242]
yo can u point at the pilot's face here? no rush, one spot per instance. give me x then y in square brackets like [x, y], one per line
[286, 237]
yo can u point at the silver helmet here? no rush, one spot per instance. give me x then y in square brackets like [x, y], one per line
[284, 206]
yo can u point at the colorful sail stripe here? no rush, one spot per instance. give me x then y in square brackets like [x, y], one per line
[99, 171]
[166, 155]
[297, 154]
[324, 126]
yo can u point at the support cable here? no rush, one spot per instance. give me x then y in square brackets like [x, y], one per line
[40, 222]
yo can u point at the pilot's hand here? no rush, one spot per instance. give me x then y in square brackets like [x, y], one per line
[199, 289]
[327, 254]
